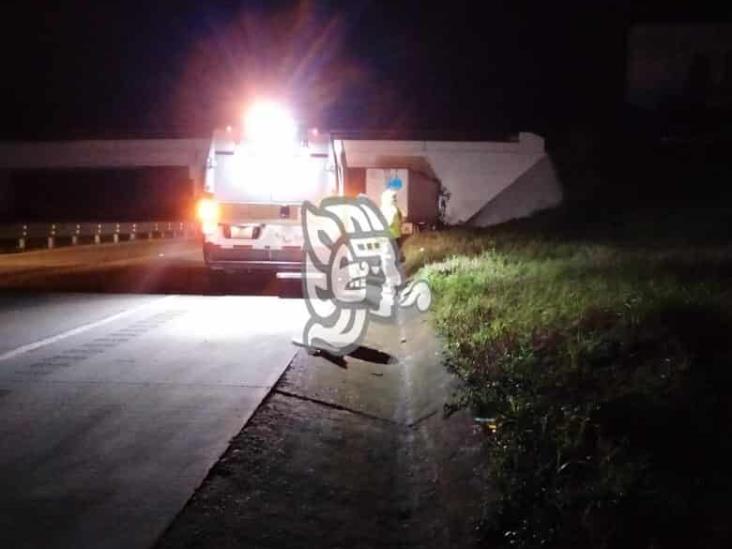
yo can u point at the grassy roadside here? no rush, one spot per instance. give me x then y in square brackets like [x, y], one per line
[601, 368]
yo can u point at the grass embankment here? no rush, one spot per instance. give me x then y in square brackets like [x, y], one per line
[601, 368]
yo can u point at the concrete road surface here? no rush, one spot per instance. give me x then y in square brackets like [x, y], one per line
[157, 266]
[143, 266]
[114, 407]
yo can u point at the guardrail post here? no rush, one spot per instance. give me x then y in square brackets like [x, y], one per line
[98, 234]
[75, 235]
[170, 230]
[51, 236]
[133, 231]
[22, 237]
[181, 230]
[115, 236]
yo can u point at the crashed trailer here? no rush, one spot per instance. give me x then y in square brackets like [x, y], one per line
[474, 183]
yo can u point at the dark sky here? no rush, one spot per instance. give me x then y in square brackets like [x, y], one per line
[93, 68]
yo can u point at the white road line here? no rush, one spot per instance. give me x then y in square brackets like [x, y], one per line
[78, 330]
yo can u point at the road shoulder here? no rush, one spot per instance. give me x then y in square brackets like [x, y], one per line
[352, 452]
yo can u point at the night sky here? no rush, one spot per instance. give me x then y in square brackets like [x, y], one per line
[91, 68]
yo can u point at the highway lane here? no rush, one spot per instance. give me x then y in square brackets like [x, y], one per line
[26, 318]
[113, 407]
[157, 266]
[86, 256]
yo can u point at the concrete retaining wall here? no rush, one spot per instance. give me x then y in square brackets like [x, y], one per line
[536, 189]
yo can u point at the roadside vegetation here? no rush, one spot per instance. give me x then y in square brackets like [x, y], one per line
[596, 352]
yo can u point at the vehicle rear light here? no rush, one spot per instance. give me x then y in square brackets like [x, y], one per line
[208, 212]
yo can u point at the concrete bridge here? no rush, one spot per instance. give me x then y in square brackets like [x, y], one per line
[488, 182]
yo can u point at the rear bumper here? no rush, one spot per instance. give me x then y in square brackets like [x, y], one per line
[247, 266]
[248, 259]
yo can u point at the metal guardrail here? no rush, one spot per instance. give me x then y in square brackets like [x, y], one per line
[54, 234]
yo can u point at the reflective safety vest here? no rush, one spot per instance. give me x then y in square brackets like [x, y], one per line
[395, 223]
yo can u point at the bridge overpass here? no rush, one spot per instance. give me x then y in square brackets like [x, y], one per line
[97, 180]
[487, 182]
[189, 153]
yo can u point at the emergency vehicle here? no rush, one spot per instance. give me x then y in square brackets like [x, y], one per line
[257, 177]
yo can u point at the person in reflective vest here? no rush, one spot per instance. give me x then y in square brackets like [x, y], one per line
[392, 214]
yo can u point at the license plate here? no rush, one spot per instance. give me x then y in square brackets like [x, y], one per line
[245, 231]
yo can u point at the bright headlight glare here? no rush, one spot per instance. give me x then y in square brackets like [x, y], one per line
[269, 123]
